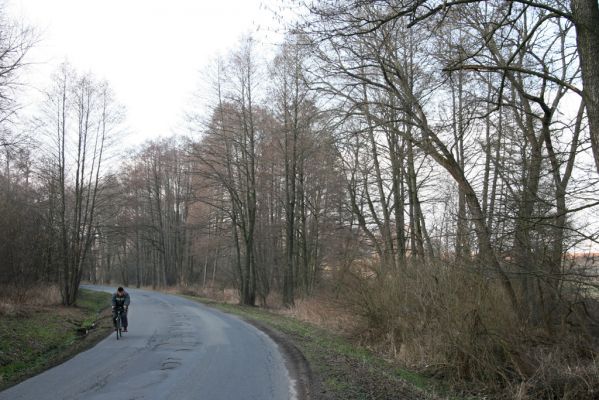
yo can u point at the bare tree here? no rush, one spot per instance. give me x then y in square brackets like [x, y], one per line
[80, 116]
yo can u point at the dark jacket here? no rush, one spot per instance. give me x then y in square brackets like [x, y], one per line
[120, 301]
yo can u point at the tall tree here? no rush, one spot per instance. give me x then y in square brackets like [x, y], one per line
[80, 117]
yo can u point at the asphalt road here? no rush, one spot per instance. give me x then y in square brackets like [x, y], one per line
[175, 349]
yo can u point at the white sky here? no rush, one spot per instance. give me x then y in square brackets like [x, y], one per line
[150, 51]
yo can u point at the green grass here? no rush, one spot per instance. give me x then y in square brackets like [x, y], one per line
[344, 370]
[93, 301]
[421, 381]
[32, 340]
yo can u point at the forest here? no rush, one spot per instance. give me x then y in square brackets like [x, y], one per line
[430, 166]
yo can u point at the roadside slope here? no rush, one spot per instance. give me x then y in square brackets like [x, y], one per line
[336, 368]
[35, 338]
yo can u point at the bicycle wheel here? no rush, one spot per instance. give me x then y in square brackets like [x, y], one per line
[118, 326]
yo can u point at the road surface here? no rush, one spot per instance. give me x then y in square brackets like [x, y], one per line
[175, 349]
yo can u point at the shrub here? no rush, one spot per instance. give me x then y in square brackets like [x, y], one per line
[15, 299]
[456, 323]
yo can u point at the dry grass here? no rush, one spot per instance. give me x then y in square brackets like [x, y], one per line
[17, 299]
[558, 376]
[456, 324]
[324, 312]
[319, 309]
[230, 296]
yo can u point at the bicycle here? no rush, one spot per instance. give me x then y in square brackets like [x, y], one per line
[118, 324]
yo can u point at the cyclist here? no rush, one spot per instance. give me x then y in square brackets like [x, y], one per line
[120, 301]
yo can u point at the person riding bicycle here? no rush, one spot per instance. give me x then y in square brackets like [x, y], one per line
[120, 301]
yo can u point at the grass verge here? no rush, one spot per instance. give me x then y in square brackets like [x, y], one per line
[38, 337]
[340, 369]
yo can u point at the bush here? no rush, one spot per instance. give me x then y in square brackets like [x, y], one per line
[456, 323]
[13, 298]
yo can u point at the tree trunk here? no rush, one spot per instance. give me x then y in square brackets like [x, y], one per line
[585, 14]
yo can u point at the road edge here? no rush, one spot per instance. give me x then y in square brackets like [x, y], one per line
[297, 365]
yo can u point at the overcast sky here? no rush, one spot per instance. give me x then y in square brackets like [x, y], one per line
[150, 51]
